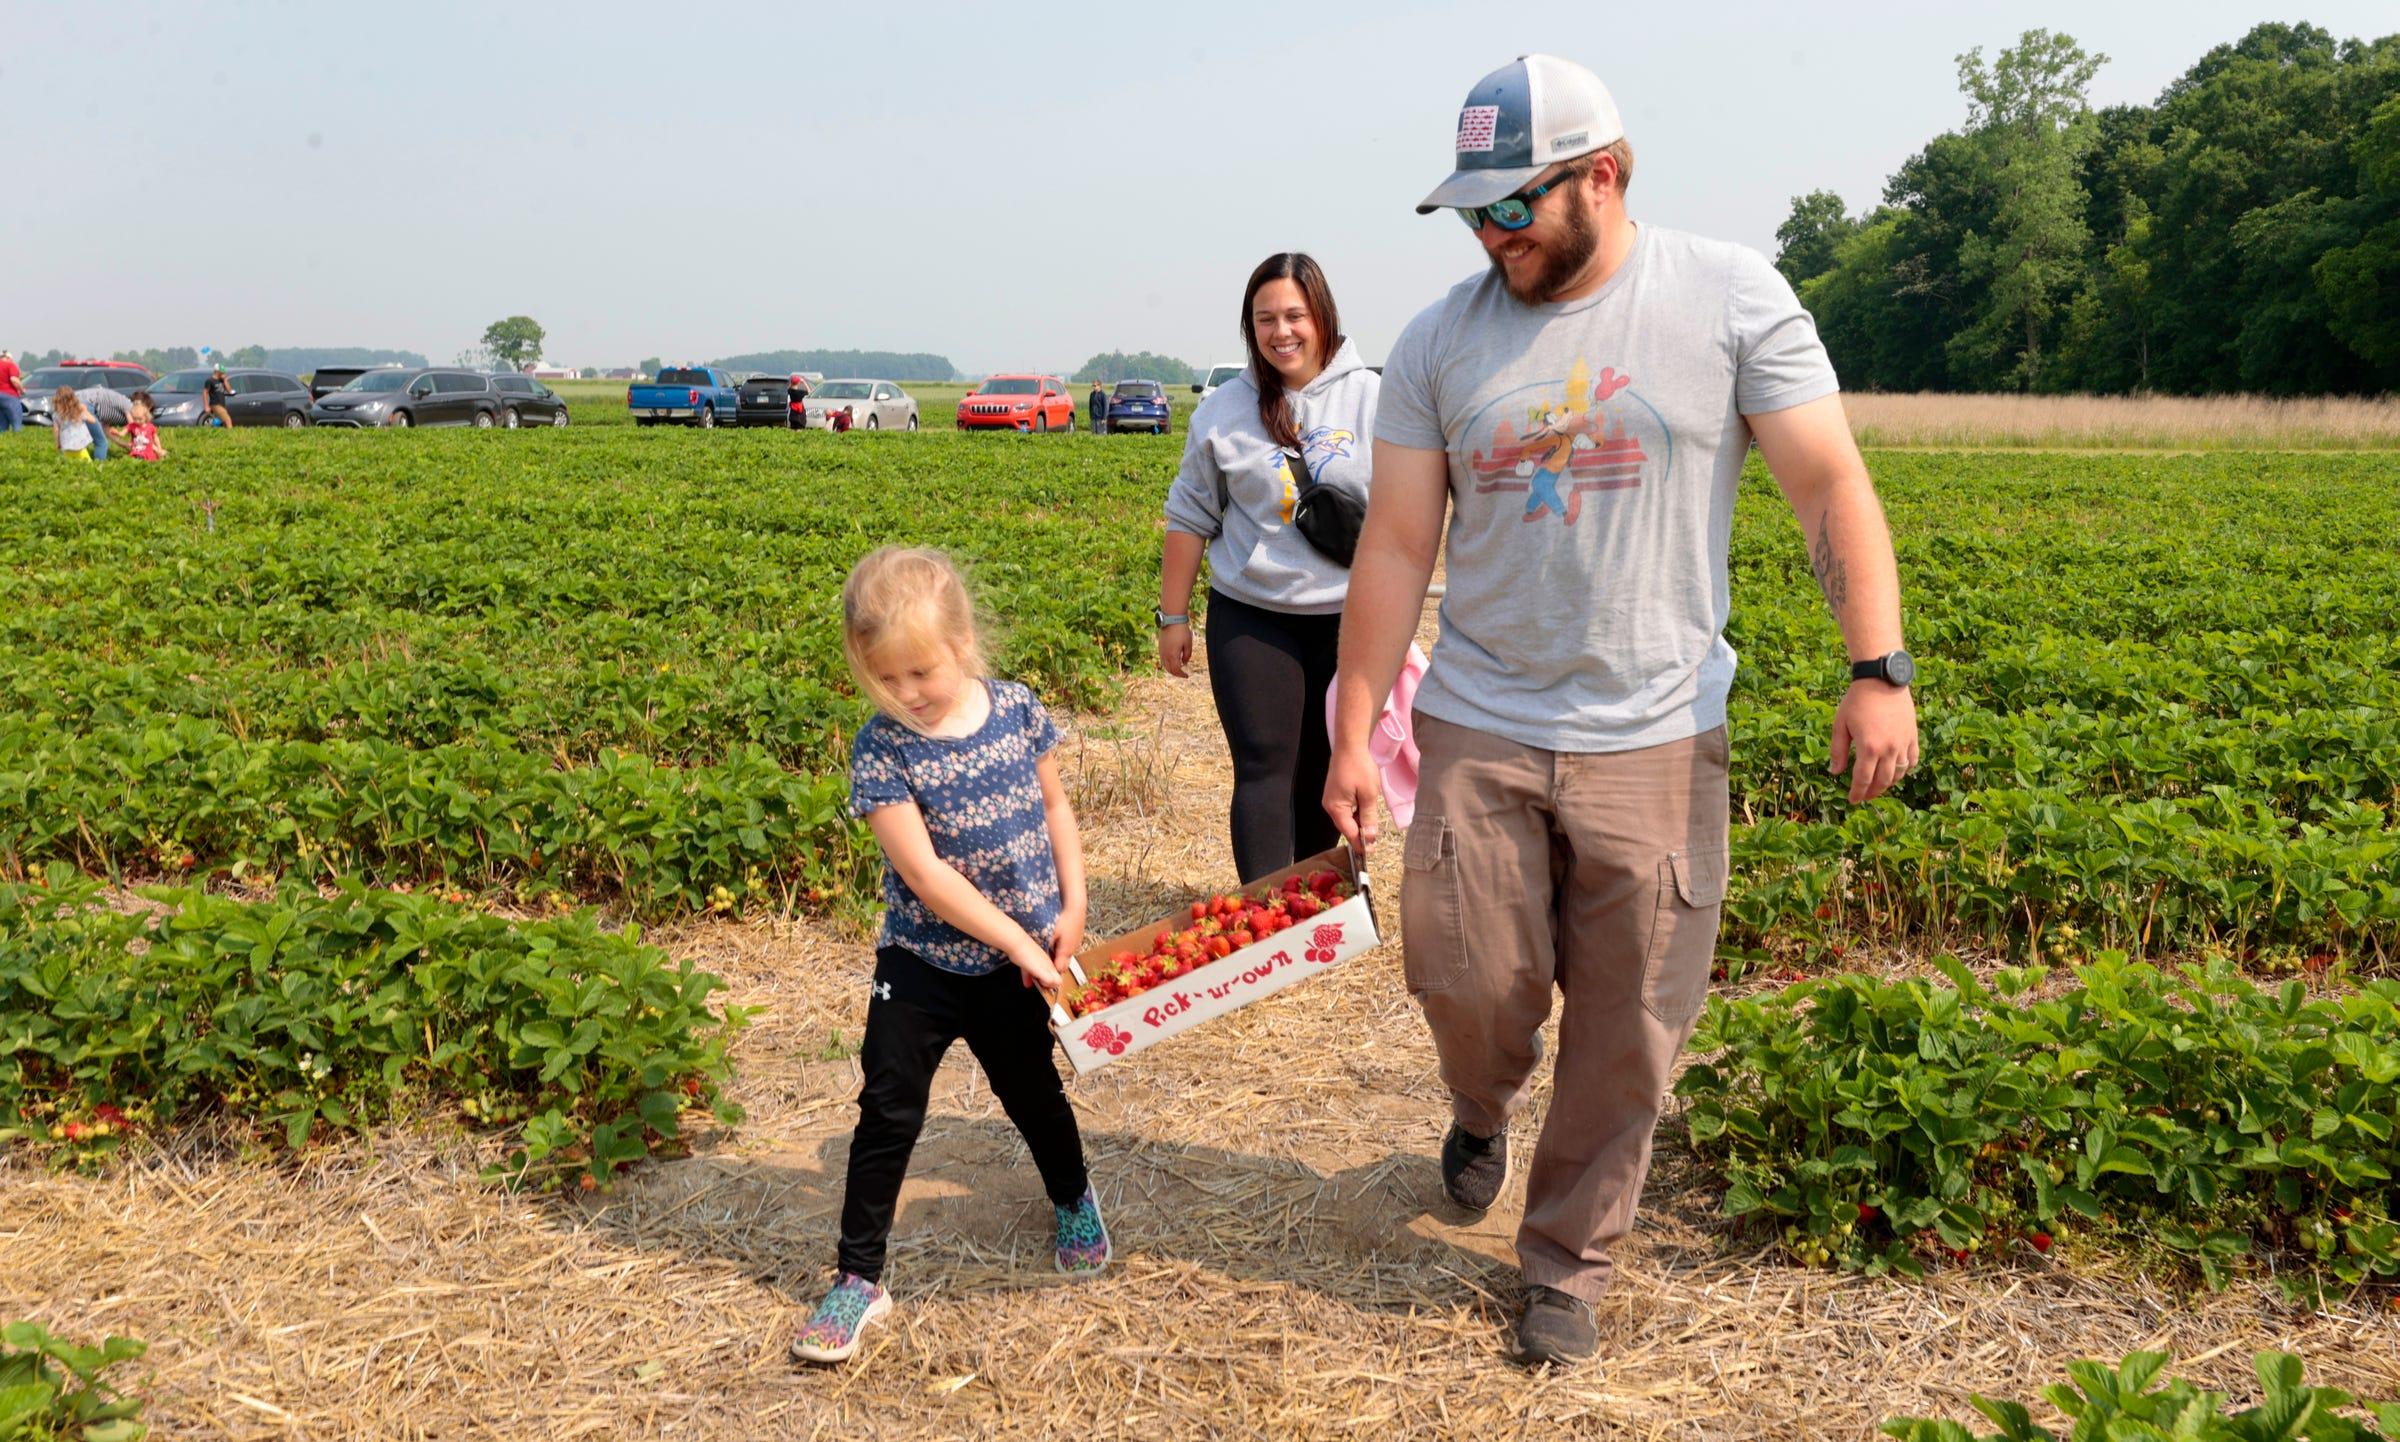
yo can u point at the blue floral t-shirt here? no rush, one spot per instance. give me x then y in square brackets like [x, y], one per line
[982, 802]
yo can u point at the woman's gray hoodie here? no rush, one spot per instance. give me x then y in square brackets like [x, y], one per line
[1236, 488]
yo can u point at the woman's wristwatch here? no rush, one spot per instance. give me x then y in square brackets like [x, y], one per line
[1165, 620]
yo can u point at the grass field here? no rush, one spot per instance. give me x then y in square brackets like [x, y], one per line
[342, 766]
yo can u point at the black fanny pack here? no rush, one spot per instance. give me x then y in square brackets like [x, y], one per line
[1328, 516]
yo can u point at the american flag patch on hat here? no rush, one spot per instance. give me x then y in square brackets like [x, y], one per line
[1476, 124]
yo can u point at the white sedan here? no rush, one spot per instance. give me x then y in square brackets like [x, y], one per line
[873, 405]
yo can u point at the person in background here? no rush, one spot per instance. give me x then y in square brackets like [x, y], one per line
[12, 393]
[110, 411]
[141, 432]
[1304, 404]
[214, 396]
[797, 390]
[1099, 405]
[71, 426]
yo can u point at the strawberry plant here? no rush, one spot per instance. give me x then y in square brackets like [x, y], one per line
[2128, 1400]
[582, 1047]
[53, 1388]
[1891, 1124]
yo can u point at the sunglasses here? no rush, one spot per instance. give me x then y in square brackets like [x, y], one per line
[1513, 213]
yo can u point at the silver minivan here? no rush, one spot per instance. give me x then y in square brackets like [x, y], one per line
[426, 396]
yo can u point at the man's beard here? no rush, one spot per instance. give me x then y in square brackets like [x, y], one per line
[1563, 260]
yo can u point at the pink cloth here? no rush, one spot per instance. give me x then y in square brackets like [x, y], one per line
[1393, 743]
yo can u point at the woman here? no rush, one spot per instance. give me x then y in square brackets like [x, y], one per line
[1274, 600]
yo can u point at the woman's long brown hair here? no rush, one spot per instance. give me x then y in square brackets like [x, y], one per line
[1274, 409]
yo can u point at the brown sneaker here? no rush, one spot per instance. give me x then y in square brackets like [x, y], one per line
[1474, 1168]
[1557, 1330]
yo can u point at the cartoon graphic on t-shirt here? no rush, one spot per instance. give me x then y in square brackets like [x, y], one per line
[1319, 445]
[1578, 439]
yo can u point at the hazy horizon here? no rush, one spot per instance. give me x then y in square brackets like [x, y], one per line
[291, 176]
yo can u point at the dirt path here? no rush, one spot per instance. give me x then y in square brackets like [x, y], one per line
[1286, 1266]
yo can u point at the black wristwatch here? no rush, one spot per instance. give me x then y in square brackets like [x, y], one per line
[1898, 668]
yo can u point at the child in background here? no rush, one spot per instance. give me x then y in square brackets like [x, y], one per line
[983, 892]
[141, 432]
[72, 424]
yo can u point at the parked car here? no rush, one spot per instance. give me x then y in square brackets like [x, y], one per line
[685, 396]
[525, 401]
[81, 375]
[765, 401]
[260, 397]
[1218, 374]
[325, 380]
[1018, 402]
[873, 405]
[1139, 406]
[420, 396]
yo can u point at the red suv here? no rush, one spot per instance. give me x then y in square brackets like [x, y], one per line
[1018, 403]
[79, 375]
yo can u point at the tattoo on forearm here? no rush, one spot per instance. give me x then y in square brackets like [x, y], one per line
[1833, 577]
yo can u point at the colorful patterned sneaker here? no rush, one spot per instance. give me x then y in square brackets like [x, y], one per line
[833, 1331]
[1082, 1237]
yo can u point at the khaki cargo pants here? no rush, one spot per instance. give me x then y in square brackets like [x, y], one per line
[1599, 875]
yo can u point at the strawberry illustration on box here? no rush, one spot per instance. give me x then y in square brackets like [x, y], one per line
[1129, 991]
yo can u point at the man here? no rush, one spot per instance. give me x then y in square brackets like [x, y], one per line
[12, 394]
[1099, 405]
[1582, 410]
[214, 393]
[110, 410]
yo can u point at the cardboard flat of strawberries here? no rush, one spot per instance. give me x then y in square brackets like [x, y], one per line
[1334, 929]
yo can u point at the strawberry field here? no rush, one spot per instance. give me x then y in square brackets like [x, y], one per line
[394, 785]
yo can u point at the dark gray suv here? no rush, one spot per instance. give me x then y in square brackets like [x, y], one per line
[425, 396]
[260, 398]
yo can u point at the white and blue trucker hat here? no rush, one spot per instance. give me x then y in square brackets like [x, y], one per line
[1519, 121]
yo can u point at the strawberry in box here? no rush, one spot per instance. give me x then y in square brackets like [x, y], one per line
[1222, 954]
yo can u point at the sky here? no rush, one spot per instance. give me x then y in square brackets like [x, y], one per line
[1013, 187]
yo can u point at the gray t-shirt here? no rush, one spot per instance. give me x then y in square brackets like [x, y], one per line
[107, 406]
[1595, 447]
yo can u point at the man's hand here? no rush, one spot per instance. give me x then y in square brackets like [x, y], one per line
[1175, 649]
[1353, 789]
[1877, 725]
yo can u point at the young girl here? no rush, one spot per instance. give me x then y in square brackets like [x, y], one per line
[72, 424]
[983, 895]
[141, 432]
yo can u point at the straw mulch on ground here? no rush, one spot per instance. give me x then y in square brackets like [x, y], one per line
[1286, 1268]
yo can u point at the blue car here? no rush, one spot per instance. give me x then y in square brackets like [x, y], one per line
[1140, 406]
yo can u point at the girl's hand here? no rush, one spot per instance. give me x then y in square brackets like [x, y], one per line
[1069, 939]
[1175, 649]
[1034, 966]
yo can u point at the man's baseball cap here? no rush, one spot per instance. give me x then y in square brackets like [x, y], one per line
[1519, 121]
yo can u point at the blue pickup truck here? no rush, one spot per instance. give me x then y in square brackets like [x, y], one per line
[685, 396]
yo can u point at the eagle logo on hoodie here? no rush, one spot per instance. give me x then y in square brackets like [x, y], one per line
[1318, 445]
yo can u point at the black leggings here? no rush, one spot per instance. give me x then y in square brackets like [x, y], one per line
[916, 1011]
[1269, 671]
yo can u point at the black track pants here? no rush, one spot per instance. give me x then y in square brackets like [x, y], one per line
[917, 1011]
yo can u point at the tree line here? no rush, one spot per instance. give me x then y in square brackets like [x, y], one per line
[1116, 365]
[297, 360]
[2242, 233]
[878, 364]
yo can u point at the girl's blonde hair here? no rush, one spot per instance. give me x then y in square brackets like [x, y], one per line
[68, 406]
[906, 601]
